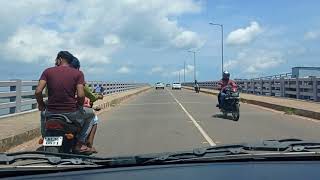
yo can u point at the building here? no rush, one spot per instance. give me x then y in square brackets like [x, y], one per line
[302, 72]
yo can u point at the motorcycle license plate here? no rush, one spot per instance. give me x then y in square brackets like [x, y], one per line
[53, 141]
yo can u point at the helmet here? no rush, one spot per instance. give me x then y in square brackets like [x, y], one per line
[65, 55]
[75, 63]
[226, 75]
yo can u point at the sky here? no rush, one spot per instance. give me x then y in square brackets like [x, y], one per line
[149, 40]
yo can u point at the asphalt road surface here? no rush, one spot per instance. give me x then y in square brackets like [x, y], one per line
[173, 120]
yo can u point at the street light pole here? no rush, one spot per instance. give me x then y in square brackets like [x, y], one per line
[220, 25]
[184, 71]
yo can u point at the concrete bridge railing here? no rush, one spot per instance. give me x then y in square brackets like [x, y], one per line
[298, 88]
[18, 95]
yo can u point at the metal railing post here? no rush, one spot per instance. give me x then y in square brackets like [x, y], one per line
[34, 105]
[261, 87]
[297, 89]
[253, 86]
[314, 88]
[282, 87]
[17, 99]
[247, 87]
[270, 87]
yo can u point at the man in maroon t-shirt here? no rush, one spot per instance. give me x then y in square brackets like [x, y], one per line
[63, 83]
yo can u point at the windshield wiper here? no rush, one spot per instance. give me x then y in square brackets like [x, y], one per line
[266, 148]
[212, 153]
[38, 157]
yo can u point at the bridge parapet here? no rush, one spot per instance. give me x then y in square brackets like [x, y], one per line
[297, 88]
[18, 96]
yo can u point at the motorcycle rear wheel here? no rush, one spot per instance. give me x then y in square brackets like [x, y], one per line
[236, 113]
[225, 114]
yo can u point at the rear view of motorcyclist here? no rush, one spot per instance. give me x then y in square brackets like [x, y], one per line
[222, 84]
[63, 83]
[196, 86]
[90, 98]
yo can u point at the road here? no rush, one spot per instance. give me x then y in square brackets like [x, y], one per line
[173, 120]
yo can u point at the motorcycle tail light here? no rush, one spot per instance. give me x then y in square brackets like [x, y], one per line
[53, 125]
[40, 141]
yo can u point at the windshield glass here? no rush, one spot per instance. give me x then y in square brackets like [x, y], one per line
[122, 78]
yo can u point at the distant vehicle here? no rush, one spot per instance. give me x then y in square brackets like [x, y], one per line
[159, 85]
[168, 85]
[176, 86]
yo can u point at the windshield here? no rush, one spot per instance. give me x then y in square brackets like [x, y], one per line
[122, 78]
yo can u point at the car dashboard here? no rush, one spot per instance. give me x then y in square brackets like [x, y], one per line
[236, 170]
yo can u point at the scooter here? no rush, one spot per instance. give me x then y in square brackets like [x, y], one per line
[231, 104]
[60, 134]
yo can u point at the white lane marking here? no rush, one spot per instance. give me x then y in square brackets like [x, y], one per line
[164, 103]
[196, 124]
[145, 104]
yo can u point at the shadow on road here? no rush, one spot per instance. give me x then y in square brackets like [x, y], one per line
[221, 116]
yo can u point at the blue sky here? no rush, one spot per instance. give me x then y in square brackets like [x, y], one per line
[147, 41]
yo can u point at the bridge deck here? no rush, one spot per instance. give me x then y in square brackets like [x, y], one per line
[166, 120]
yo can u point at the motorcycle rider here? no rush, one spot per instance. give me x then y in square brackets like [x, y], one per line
[90, 98]
[196, 86]
[63, 83]
[222, 84]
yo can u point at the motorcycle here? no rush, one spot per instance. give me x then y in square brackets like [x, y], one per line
[231, 104]
[197, 89]
[60, 134]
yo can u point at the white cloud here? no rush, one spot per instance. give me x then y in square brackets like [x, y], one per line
[255, 61]
[111, 39]
[157, 69]
[93, 70]
[244, 35]
[312, 35]
[231, 64]
[189, 70]
[31, 43]
[188, 40]
[124, 70]
[91, 56]
[92, 30]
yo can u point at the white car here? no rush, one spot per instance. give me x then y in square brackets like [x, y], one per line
[159, 85]
[176, 86]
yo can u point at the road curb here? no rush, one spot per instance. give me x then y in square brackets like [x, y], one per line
[286, 109]
[10, 142]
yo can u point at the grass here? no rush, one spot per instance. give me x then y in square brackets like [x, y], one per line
[289, 111]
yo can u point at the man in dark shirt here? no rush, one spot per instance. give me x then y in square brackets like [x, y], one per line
[63, 83]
